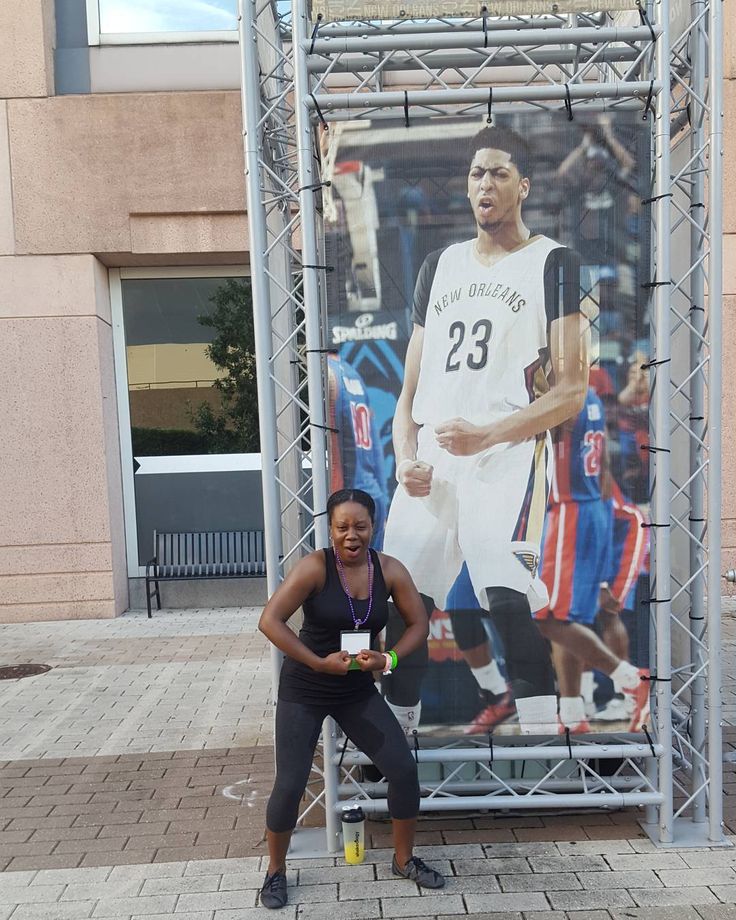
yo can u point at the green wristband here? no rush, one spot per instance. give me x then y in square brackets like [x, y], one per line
[394, 659]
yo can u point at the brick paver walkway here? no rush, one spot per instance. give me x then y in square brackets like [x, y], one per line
[134, 777]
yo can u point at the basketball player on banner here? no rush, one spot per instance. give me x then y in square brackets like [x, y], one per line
[498, 357]
[576, 562]
[356, 454]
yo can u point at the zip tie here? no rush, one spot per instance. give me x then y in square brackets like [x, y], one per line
[645, 367]
[317, 351]
[315, 30]
[646, 526]
[318, 110]
[347, 740]
[656, 680]
[648, 103]
[645, 22]
[656, 198]
[697, 520]
[697, 418]
[315, 186]
[316, 514]
[406, 109]
[695, 619]
[649, 739]
[568, 102]
[654, 284]
[326, 268]
[693, 309]
[490, 749]
[416, 745]
[650, 602]
[489, 119]
[697, 204]
[569, 743]
[655, 450]
[484, 11]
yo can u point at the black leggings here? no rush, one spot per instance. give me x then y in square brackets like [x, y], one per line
[372, 728]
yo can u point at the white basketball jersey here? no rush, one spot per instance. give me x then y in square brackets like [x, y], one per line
[484, 330]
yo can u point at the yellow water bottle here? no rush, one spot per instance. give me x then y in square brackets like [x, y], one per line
[353, 834]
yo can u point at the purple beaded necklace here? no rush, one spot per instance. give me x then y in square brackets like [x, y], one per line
[344, 582]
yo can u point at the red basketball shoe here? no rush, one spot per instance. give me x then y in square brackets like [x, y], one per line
[492, 715]
[579, 728]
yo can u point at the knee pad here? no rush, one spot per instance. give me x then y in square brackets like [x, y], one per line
[403, 687]
[467, 628]
[527, 652]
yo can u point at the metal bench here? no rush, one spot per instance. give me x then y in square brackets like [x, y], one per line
[193, 556]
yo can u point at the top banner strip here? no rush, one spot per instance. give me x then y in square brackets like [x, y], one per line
[346, 10]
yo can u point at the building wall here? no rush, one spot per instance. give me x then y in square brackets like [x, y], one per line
[89, 181]
[86, 181]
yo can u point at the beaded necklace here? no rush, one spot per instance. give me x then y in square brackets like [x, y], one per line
[344, 582]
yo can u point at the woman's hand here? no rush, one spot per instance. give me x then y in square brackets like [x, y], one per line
[335, 663]
[371, 661]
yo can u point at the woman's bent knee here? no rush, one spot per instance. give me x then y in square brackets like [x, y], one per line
[403, 793]
[283, 808]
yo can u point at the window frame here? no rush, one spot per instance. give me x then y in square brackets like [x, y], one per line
[116, 277]
[96, 38]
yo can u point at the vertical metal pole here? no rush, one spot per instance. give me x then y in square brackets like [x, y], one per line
[310, 283]
[661, 371]
[715, 330]
[315, 377]
[697, 413]
[250, 95]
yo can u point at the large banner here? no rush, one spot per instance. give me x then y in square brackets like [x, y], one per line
[488, 387]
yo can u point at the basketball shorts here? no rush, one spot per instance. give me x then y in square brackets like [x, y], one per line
[628, 553]
[487, 510]
[576, 559]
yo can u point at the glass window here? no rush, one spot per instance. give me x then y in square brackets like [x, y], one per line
[192, 396]
[131, 16]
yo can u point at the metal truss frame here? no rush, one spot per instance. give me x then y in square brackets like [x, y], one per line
[297, 73]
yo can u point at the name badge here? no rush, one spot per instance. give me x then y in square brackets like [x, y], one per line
[353, 641]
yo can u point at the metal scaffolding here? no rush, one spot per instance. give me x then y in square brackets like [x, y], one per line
[297, 73]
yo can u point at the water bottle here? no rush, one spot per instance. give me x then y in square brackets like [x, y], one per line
[353, 834]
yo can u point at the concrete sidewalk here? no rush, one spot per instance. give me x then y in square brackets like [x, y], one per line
[134, 777]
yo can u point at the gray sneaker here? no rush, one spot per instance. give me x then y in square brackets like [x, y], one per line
[418, 871]
[273, 892]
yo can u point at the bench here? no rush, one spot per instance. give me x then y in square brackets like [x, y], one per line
[193, 556]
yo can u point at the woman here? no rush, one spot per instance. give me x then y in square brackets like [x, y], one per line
[341, 589]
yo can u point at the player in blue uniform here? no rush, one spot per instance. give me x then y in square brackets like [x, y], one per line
[576, 560]
[356, 453]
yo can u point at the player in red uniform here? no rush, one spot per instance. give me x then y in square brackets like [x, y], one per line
[575, 562]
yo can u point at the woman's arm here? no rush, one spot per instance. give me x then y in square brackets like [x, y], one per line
[308, 575]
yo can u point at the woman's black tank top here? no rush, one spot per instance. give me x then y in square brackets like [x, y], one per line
[326, 615]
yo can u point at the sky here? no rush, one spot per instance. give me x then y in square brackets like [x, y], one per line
[167, 15]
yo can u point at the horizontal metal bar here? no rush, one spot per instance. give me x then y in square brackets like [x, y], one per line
[619, 783]
[534, 93]
[340, 30]
[519, 752]
[424, 115]
[363, 63]
[518, 803]
[477, 39]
